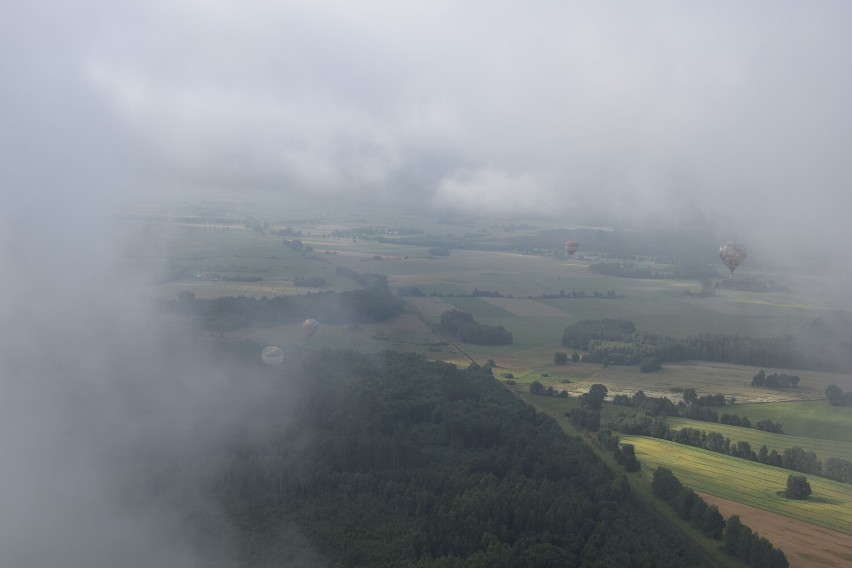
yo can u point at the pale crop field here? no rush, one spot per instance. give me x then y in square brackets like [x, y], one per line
[526, 308]
[747, 482]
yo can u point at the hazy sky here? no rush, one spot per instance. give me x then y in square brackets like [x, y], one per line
[738, 109]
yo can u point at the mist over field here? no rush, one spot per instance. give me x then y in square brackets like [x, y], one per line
[733, 117]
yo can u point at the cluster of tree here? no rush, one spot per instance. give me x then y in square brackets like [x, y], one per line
[356, 306]
[766, 425]
[797, 487]
[624, 454]
[616, 342]
[367, 279]
[689, 506]
[690, 396]
[754, 550]
[416, 463]
[539, 389]
[837, 469]
[735, 420]
[697, 412]
[256, 225]
[738, 540]
[309, 281]
[836, 396]
[286, 232]
[561, 358]
[752, 285]
[692, 407]
[298, 246]
[588, 416]
[477, 293]
[775, 380]
[581, 334]
[439, 251]
[652, 405]
[409, 292]
[466, 329]
[367, 232]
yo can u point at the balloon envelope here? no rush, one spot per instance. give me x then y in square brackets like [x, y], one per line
[310, 326]
[571, 247]
[732, 254]
[272, 355]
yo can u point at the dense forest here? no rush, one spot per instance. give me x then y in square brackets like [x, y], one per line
[390, 460]
[822, 345]
[357, 306]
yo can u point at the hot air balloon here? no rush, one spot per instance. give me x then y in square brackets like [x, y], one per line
[571, 247]
[310, 326]
[272, 355]
[732, 254]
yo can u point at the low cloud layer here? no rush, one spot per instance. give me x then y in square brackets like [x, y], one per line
[738, 111]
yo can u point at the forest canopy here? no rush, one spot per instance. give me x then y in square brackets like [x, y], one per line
[409, 462]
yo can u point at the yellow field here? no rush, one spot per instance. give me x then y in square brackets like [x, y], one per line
[747, 482]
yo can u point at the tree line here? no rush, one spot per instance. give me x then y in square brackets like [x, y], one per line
[836, 396]
[466, 329]
[230, 312]
[794, 458]
[617, 342]
[738, 539]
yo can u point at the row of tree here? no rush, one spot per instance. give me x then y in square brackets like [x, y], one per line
[738, 539]
[616, 342]
[356, 306]
[836, 396]
[624, 454]
[775, 380]
[466, 329]
[309, 281]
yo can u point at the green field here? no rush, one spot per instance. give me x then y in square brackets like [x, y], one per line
[778, 442]
[747, 482]
[659, 306]
[812, 419]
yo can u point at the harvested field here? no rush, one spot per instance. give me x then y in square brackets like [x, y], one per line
[526, 308]
[210, 289]
[804, 544]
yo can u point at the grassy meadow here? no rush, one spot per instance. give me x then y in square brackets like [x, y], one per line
[747, 482]
[779, 442]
